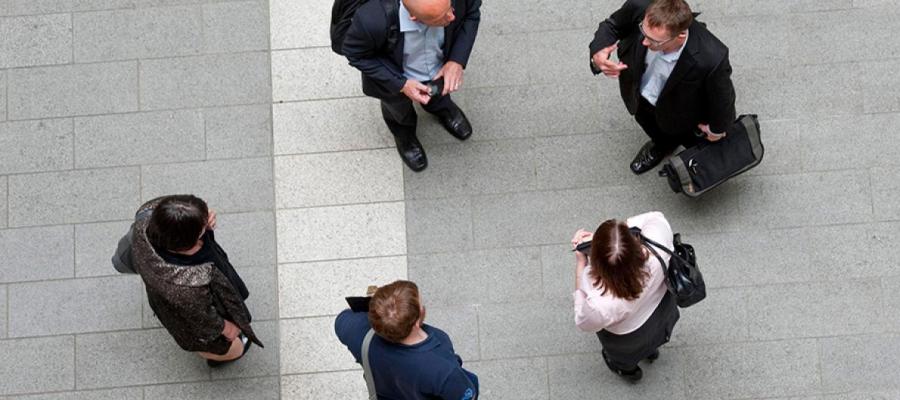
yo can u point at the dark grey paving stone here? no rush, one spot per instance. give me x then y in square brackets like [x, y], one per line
[107, 394]
[134, 358]
[774, 7]
[570, 162]
[227, 186]
[440, 225]
[36, 146]
[784, 148]
[863, 394]
[885, 190]
[82, 89]
[723, 317]
[509, 17]
[508, 59]
[95, 245]
[36, 40]
[748, 32]
[260, 388]
[460, 323]
[42, 365]
[558, 272]
[235, 26]
[3, 315]
[851, 41]
[73, 197]
[4, 185]
[890, 291]
[137, 33]
[529, 329]
[524, 378]
[235, 132]
[257, 362]
[826, 141]
[263, 287]
[573, 376]
[143, 138]
[16, 7]
[324, 385]
[853, 362]
[3, 84]
[881, 87]
[248, 238]
[36, 253]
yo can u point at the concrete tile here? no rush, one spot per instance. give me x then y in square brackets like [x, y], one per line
[571, 376]
[3, 314]
[36, 40]
[205, 81]
[508, 17]
[4, 185]
[248, 238]
[319, 288]
[851, 42]
[557, 272]
[512, 379]
[885, 189]
[236, 132]
[108, 394]
[338, 178]
[598, 160]
[260, 388]
[330, 125]
[3, 86]
[227, 186]
[42, 365]
[890, 291]
[144, 138]
[531, 329]
[309, 345]
[56, 308]
[815, 87]
[460, 323]
[134, 358]
[784, 149]
[95, 245]
[872, 3]
[880, 86]
[854, 362]
[324, 385]
[311, 234]
[36, 146]
[827, 140]
[289, 29]
[748, 32]
[263, 301]
[863, 394]
[723, 317]
[73, 197]
[70, 90]
[257, 362]
[36, 253]
[138, 33]
[441, 225]
[310, 74]
[17, 7]
[767, 369]
[235, 26]
[472, 277]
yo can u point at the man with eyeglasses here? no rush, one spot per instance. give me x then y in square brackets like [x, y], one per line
[414, 51]
[674, 75]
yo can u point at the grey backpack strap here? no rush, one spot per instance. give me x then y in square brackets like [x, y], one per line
[367, 370]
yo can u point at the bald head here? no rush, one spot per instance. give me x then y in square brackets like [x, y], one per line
[430, 12]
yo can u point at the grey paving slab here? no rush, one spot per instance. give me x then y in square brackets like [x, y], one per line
[852, 42]
[74, 306]
[73, 197]
[260, 388]
[142, 138]
[439, 225]
[508, 17]
[261, 283]
[460, 323]
[826, 140]
[227, 186]
[784, 149]
[3, 312]
[776, 7]
[557, 272]
[3, 86]
[106, 394]
[64, 6]
[867, 361]
[872, 3]
[36, 40]
[4, 185]
[289, 23]
[568, 162]
[884, 193]
[528, 329]
[890, 292]
[42, 365]
[242, 131]
[880, 86]
[128, 358]
[309, 345]
[326, 385]
[864, 395]
[749, 36]
[329, 125]
[258, 361]
[79, 89]
[36, 146]
[572, 376]
[36, 253]
[137, 33]
[95, 245]
[248, 238]
[313, 73]
[723, 317]
[235, 26]
[205, 81]
[524, 378]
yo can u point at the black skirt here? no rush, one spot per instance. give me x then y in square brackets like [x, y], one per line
[625, 351]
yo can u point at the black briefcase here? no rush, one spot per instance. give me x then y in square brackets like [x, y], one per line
[698, 169]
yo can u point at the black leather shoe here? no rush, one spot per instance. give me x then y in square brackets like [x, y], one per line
[455, 122]
[651, 358]
[632, 376]
[648, 157]
[412, 154]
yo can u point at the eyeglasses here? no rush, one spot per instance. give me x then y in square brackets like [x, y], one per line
[654, 42]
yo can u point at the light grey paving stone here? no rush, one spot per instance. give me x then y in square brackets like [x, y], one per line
[205, 81]
[856, 43]
[3, 314]
[771, 7]
[36, 40]
[262, 284]
[330, 125]
[748, 34]
[95, 245]
[863, 394]
[825, 90]
[235, 132]
[134, 358]
[524, 378]
[784, 149]
[41, 365]
[324, 385]
[574, 376]
[460, 323]
[311, 234]
[440, 225]
[227, 186]
[260, 388]
[4, 185]
[235, 26]
[558, 272]
[723, 317]
[258, 361]
[74, 306]
[890, 291]
[106, 394]
[598, 160]
[827, 139]
[36, 146]
[349, 177]
[319, 288]
[64, 6]
[289, 27]
[881, 87]
[81, 89]
[248, 238]
[30, 254]
[138, 33]
[73, 197]
[309, 345]
[3, 86]
[143, 138]
[531, 329]
[314, 73]
[488, 276]
[885, 189]
[508, 17]
[872, 3]
[852, 362]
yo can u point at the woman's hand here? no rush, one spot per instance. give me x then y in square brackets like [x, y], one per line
[581, 236]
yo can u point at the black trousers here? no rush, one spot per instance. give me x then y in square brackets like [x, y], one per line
[646, 118]
[623, 352]
[400, 115]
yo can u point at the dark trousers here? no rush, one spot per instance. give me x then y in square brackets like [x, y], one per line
[400, 115]
[623, 352]
[646, 118]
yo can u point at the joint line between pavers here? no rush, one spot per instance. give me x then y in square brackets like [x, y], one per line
[72, 36]
[137, 112]
[138, 84]
[74, 153]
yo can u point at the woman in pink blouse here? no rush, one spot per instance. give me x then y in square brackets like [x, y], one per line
[621, 293]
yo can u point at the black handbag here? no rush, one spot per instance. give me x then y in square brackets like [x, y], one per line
[682, 274]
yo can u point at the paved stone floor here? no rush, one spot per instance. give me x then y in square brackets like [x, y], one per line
[106, 103]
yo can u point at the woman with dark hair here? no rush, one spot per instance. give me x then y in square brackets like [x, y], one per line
[621, 293]
[192, 287]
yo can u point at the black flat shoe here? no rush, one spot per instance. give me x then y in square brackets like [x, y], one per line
[651, 358]
[412, 153]
[455, 122]
[247, 344]
[632, 376]
[648, 157]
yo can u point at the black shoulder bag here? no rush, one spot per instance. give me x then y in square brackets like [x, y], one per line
[682, 274]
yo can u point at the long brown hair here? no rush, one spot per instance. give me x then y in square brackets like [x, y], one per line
[617, 260]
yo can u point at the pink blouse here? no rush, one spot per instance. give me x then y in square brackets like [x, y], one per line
[595, 311]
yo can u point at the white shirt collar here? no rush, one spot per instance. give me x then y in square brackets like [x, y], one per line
[675, 55]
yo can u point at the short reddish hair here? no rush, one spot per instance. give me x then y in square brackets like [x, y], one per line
[617, 261]
[394, 310]
[675, 15]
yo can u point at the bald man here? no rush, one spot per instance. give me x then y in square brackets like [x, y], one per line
[404, 50]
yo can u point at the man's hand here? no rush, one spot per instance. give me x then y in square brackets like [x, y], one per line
[231, 331]
[608, 67]
[452, 72]
[712, 137]
[416, 91]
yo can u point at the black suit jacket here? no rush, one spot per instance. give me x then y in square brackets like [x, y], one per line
[365, 45]
[699, 89]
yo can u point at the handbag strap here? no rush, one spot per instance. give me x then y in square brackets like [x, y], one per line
[367, 370]
[664, 248]
[658, 257]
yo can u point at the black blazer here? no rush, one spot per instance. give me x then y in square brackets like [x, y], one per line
[699, 89]
[365, 45]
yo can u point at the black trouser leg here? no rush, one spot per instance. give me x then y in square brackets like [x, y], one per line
[400, 116]
[439, 105]
[646, 118]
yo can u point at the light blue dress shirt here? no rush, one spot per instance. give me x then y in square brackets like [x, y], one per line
[423, 53]
[659, 67]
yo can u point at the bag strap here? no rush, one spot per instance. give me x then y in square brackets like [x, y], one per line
[658, 257]
[664, 248]
[367, 370]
